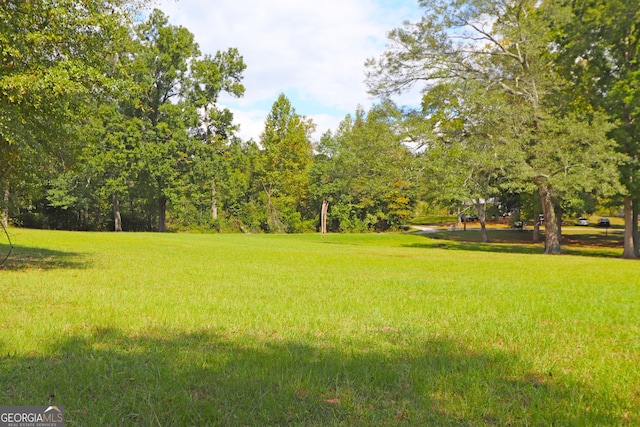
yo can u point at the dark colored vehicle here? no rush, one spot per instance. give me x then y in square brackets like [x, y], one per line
[604, 222]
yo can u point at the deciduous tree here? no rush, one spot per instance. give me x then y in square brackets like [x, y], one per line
[210, 77]
[286, 157]
[365, 172]
[163, 72]
[55, 58]
[599, 49]
[505, 46]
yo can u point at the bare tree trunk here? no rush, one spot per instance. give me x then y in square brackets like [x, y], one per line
[214, 200]
[636, 235]
[483, 228]
[551, 230]
[323, 216]
[117, 218]
[5, 207]
[629, 251]
[162, 214]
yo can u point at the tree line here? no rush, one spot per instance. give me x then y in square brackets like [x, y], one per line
[112, 122]
[525, 96]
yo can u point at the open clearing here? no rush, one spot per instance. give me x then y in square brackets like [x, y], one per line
[392, 329]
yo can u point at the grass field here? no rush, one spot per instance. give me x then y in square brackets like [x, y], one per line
[354, 330]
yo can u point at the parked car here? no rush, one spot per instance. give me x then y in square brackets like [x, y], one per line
[582, 221]
[604, 222]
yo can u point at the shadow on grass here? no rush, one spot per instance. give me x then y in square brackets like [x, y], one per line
[174, 378]
[600, 240]
[516, 241]
[27, 258]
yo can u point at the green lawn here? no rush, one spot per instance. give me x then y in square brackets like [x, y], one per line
[376, 329]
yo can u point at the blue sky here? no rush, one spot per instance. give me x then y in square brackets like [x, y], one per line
[311, 51]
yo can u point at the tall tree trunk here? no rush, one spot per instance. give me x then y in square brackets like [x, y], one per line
[214, 200]
[536, 231]
[558, 210]
[162, 215]
[636, 236]
[117, 218]
[629, 251]
[323, 216]
[5, 207]
[482, 217]
[551, 230]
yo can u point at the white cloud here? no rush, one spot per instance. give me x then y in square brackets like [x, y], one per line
[251, 122]
[325, 122]
[314, 52]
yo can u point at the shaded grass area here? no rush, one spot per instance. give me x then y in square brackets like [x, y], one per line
[589, 238]
[26, 258]
[584, 242]
[376, 329]
[204, 378]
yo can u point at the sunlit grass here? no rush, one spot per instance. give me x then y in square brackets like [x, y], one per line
[174, 329]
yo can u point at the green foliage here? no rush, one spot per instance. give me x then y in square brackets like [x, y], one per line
[150, 142]
[162, 67]
[55, 57]
[510, 112]
[284, 164]
[599, 50]
[108, 124]
[365, 172]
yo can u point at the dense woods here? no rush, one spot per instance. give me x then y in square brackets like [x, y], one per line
[110, 121]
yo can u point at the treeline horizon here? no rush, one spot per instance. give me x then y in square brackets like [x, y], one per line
[112, 122]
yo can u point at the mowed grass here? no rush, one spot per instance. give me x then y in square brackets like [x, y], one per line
[354, 330]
